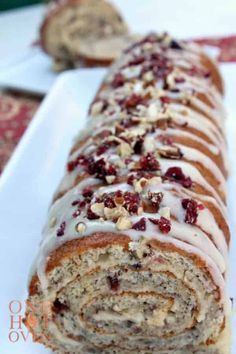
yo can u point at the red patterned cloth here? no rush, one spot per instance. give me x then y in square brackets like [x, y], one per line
[17, 110]
[226, 45]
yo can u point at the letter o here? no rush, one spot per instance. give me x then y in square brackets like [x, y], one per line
[12, 338]
[13, 304]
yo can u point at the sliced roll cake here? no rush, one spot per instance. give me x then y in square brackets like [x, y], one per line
[135, 250]
[84, 32]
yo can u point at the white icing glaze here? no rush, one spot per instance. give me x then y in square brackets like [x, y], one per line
[190, 234]
[178, 132]
[195, 155]
[193, 119]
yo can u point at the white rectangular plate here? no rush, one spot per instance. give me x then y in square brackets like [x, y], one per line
[31, 73]
[31, 177]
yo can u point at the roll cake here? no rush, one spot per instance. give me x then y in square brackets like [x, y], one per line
[83, 33]
[135, 249]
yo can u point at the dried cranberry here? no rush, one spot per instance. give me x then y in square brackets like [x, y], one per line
[80, 160]
[176, 174]
[113, 282]
[111, 171]
[83, 160]
[179, 80]
[76, 213]
[87, 192]
[133, 101]
[207, 75]
[140, 225]
[132, 208]
[61, 230]
[131, 202]
[136, 60]
[191, 208]
[71, 166]
[165, 99]
[149, 163]
[131, 197]
[138, 145]
[130, 180]
[109, 202]
[163, 224]
[75, 202]
[101, 169]
[118, 193]
[185, 202]
[91, 215]
[92, 168]
[118, 80]
[82, 204]
[102, 148]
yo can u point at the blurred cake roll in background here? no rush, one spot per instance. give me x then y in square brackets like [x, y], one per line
[83, 33]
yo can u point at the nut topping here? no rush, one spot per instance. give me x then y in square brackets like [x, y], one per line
[165, 212]
[123, 223]
[97, 108]
[124, 149]
[170, 152]
[80, 227]
[98, 209]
